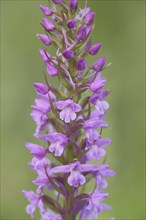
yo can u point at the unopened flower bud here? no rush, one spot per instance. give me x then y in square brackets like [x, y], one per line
[73, 4]
[88, 30]
[48, 25]
[81, 64]
[55, 18]
[89, 18]
[47, 11]
[68, 54]
[88, 45]
[41, 88]
[44, 38]
[71, 24]
[45, 55]
[81, 34]
[98, 65]
[57, 1]
[52, 71]
[95, 48]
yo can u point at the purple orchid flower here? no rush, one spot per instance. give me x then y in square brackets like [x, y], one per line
[38, 165]
[36, 150]
[94, 206]
[75, 169]
[101, 106]
[96, 150]
[41, 121]
[104, 171]
[58, 142]
[52, 71]
[69, 109]
[101, 95]
[34, 199]
[98, 83]
[42, 180]
[42, 105]
[90, 127]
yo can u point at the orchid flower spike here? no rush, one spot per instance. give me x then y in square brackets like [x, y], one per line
[69, 116]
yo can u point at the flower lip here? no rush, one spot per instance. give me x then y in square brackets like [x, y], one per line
[69, 110]
[57, 141]
[75, 169]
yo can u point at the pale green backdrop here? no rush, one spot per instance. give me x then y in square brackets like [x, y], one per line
[120, 27]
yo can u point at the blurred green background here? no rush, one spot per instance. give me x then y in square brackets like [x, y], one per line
[120, 27]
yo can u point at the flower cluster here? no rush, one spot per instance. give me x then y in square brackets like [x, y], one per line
[69, 119]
